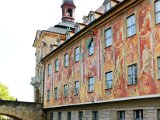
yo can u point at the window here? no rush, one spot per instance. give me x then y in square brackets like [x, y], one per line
[77, 54]
[131, 26]
[56, 93]
[132, 74]
[66, 60]
[80, 115]
[158, 60]
[59, 41]
[95, 115]
[48, 95]
[68, 35]
[51, 116]
[121, 115]
[157, 11]
[108, 37]
[91, 84]
[49, 69]
[76, 87]
[59, 116]
[65, 90]
[91, 47]
[91, 18]
[138, 115]
[77, 28]
[107, 5]
[109, 79]
[158, 114]
[57, 65]
[68, 115]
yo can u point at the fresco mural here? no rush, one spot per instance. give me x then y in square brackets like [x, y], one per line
[142, 49]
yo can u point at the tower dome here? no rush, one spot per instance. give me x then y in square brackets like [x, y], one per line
[68, 1]
[68, 10]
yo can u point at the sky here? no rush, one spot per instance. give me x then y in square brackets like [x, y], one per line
[19, 21]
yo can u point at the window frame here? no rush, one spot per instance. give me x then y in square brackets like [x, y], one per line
[56, 93]
[59, 116]
[77, 55]
[158, 67]
[76, 88]
[156, 12]
[158, 114]
[69, 116]
[92, 17]
[65, 90]
[95, 115]
[80, 115]
[108, 37]
[140, 114]
[48, 95]
[49, 69]
[133, 81]
[56, 65]
[91, 47]
[109, 80]
[91, 85]
[121, 115]
[66, 60]
[131, 26]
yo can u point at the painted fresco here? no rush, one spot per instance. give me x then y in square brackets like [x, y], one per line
[146, 51]
[141, 49]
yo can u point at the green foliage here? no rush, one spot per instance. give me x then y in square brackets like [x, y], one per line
[4, 93]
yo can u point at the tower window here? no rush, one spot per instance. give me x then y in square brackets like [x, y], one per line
[70, 12]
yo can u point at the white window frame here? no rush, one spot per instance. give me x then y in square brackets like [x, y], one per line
[77, 88]
[132, 74]
[77, 54]
[138, 114]
[56, 65]
[108, 37]
[121, 115]
[66, 60]
[109, 79]
[131, 25]
[49, 69]
[65, 90]
[157, 11]
[91, 84]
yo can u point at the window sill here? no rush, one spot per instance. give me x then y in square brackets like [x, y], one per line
[128, 37]
[90, 92]
[108, 46]
[108, 88]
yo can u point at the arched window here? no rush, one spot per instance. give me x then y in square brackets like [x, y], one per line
[70, 12]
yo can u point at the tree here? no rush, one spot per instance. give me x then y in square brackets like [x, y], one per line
[4, 93]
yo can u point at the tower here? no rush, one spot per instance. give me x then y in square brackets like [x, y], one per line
[68, 10]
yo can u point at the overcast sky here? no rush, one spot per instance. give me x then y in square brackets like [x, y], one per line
[19, 20]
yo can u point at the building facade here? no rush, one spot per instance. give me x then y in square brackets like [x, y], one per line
[109, 68]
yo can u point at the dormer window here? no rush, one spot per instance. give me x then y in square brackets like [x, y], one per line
[91, 18]
[58, 42]
[77, 28]
[107, 5]
[67, 35]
